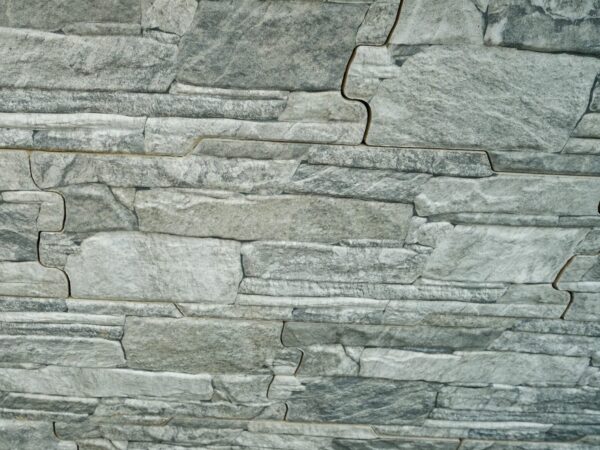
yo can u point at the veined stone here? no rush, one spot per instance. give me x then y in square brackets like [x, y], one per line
[61, 350]
[54, 61]
[241, 388]
[168, 16]
[299, 218]
[242, 175]
[16, 164]
[353, 400]
[18, 231]
[378, 22]
[585, 306]
[30, 435]
[34, 304]
[50, 204]
[102, 29]
[503, 254]
[329, 360]
[312, 429]
[544, 25]
[50, 15]
[430, 22]
[319, 39]
[396, 443]
[582, 146]
[59, 317]
[316, 262]
[476, 106]
[582, 274]
[472, 367]
[588, 126]
[114, 307]
[54, 249]
[135, 266]
[231, 148]
[549, 344]
[32, 279]
[74, 330]
[34, 402]
[436, 162]
[547, 163]
[366, 184]
[15, 138]
[97, 383]
[512, 194]
[219, 345]
[472, 444]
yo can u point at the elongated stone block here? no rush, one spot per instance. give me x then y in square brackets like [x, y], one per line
[207, 345]
[32, 279]
[136, 266]
[297, 261]
[99, 383]
[472, 367]
[31, 435]
[503, 254]
[585, 306]
[412, 91]
[299, 218]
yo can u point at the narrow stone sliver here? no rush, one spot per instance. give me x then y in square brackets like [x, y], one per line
[342, 225]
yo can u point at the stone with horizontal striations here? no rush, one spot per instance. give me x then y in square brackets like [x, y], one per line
[329, 360]
[431, 22]
[87, 306]
[585, 306]
[207, 345]
[61, 350]
[168, 16]
[436, 162]
[530, 194]
[472, 444]
[231, 148]
[503, 254]
[32, 279]
[368, 184]
[17, 164]
[551, 26]
[548, 163]
[549, 344]
[411, 92]
[246, 44]
[378, 22]
[472, 367]
[97, 383]
[317, 262]
[300, 218]
[52, 170]
[353, 400]
[136, 266]
[395, 444]
[582, 146]
[54, 61]
[18, 231]
[75, 405]
[50, 205]
[582, 274]
[31, 435]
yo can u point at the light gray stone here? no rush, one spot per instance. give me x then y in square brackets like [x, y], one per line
[585, 306]
[503, 254]
[436, 162]
[51, 207]
[241, 388]
[30, 435]
[230, 148]
[511, 194]
[300, 218]
[550, 344]
[60, 350]
[588, 126]
[168, 16]
[547, 163]
[329, 360]
[544, 25]
[317, 262]
[222, 346]
[54, 61]
[378, 22]
[431, 22]
[319, 39]
[476, 106]
[73, 405]
[521, 445]
[99, 383]
[582, 146]
[396, 444]
[125, 308]
[32, 279]
[17, 164]
[18, 231]
[472, 367]
[34, 304]
[353, 400]
[242, 175]
[582, 274]
[102, 29]
[136, 266]
[357, 183]
[426, 233]
[55, 248]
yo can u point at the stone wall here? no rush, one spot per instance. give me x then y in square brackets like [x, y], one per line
[303, 224]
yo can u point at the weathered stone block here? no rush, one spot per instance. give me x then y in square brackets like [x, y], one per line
[582, 274]
[32, 279]
[30, 435]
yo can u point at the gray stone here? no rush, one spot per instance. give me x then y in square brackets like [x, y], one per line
[54, 249]
[73, 405]
[503, 254]
[378, 22]
[30, 435]
[550, 344]
[431, 22]
[230, 148]
[353, 400]
[329, 360]
[18, 231]
[585, 306]
[426, 233]
[54, 61]
[207, 345]
[32, 279]
[243, 175]
[582, 274]
[588, 126]
[52, 15]
[136, 266]
[544, 25]
[511, 194]
[582, 146]
[396, 444]
[591, 243]
[76, 330]
[51, 207]
[472, 367]
[102, 29]
[125, 308]
[297, 261]
[168, 16]
[358, 183]
[243, 45]
[521, 445]
[35, 304]
[300, 218]
[17, 164]
[241, 388]
[60, 350]
[99, 383]
[547, 163]
[476, 106]
[436, 162]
